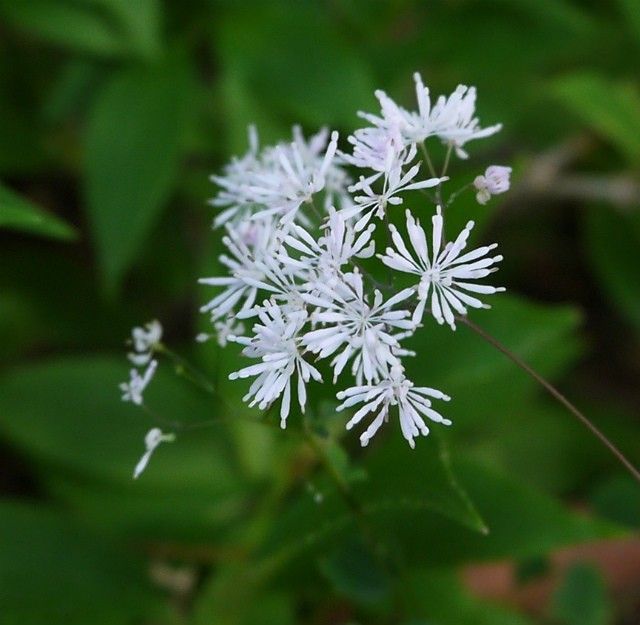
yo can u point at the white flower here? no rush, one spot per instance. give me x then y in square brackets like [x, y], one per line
[395, 390]
[394, 182]
[276, 343]
[445, 275]
[335, 248]
[233, 196]
[496, 180]
[132, 391]
[290, 180]
[450, 119]
[225, 329]
[278, 179]
[144, 340]
[153, 438]
[362, 331]
[248, 243]
[375, 148]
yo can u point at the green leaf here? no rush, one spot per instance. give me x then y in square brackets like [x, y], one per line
[631, 17]
[610, 109]
[55, 571]
[133, 149]
[235, 595]
[484, 384]
[618, 498]
[68, 417]
[522, 522]
[17, 213]
[354, 573]
[102, 27]
[613, 241]
[296, 63]
[582, 598]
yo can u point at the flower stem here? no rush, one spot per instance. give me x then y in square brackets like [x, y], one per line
[554, 392]
[186, 370]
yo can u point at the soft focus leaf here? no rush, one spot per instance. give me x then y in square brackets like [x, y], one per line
[67, 416]
[485, 385]
[102, 27]
[236, 596]
[618, 498]
[582, 598]
[354, 572]
[133, 151]
[611, 109]
[521, 521]
[17, 213]
[54, 571]
[311, 75]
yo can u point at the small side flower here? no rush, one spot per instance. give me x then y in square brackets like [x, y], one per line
[154, 437]
[496, 180]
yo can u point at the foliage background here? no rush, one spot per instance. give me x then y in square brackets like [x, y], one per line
[112, 115]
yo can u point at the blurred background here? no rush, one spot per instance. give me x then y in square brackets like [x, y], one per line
[112, 115]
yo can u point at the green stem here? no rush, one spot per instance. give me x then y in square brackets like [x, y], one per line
[185, 369]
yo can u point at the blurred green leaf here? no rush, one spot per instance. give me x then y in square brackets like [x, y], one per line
[355, 573]
[54, 571]
[102, 27]
[618, 498]
[18, 213]
[485, 385]
[133, 149]
[610, 109]
[522, 522]
[613, 241]
[67, 416]
[312, 75]
[582, 598]
[235, 595]
[631, 17]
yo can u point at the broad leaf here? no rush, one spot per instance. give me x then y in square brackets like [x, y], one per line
[55, 571]
[102, 27]
[610, 109]
[133, 148]
[67, 416]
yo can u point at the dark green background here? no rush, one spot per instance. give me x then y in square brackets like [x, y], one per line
[112, 115]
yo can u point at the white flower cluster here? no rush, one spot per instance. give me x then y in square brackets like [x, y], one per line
[144, 341]
[299, 236]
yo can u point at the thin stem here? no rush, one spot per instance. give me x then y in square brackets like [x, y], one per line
[189, 372]
[554, 392]
[432, 171]
[447, 158]
[455, 194]
[427, 159]
[185, 369]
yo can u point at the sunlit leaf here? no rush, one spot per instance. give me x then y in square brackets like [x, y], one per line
[18, 213]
